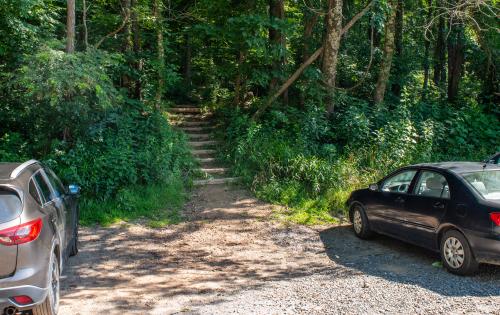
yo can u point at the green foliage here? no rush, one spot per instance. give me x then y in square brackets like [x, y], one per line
[310, 165]
[159, 204]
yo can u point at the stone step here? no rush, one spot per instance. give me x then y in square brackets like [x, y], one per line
[191, 117]
[199, 136]
[194, 123]
[189, 129]
[206, 160]
[215, 170]
[216, 181]
[194, 110]
[200, 144]
[202, 152]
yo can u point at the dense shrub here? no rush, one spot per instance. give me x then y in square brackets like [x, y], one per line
[311, 164]
[66, 111]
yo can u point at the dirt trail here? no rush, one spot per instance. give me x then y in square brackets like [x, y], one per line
[230, 258]
[227, 245]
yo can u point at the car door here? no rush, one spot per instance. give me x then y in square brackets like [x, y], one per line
[426, 206]
[49, 205]
[389, 202]
[62, 202]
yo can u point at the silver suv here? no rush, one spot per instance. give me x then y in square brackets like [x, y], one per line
[38, 232]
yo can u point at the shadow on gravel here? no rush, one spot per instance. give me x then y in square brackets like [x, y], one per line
[403, 263]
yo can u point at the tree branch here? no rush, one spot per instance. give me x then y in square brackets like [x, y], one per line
[308, 62]
[113, 33]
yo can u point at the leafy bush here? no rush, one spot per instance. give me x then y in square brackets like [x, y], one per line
[310, 164]
[65, 110]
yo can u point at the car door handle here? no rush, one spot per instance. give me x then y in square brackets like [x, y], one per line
[439, 205]
[400, 200]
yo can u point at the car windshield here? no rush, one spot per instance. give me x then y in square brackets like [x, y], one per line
[487, 183]
[10, 205]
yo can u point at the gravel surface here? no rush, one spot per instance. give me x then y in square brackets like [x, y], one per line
[229, 258]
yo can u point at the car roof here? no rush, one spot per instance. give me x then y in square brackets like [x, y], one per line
[460, 167]
[6, 169]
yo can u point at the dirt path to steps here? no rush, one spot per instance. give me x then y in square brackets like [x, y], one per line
[230, 258]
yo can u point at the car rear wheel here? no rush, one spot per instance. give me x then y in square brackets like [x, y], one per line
[51, 304]
[360, 222]
[456, 254]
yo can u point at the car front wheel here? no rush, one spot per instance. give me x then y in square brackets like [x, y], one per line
[456, 254]
[360, 222]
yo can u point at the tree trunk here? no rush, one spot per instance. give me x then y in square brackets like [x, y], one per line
[136, 31]
[427, 46]
[440, 52]
[70, 27]
[127, 41]
[385, 68]
[277, 41]
[398, 42]
[308, 31]
[239, 79]
[331, 48]
[455, 60]
[157, 13]
[187, 60]
[85, 28]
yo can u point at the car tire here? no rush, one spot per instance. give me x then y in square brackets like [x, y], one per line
[360, 223]
[51, 304]
[456, 254]
[73, 250]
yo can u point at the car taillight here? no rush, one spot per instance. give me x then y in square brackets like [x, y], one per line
[495, 217]
[21, 234]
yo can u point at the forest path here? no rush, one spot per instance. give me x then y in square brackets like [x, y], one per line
[230, 256]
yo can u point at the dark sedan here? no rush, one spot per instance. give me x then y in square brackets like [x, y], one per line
[451, 207]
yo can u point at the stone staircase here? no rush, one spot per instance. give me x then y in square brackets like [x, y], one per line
[198, 127]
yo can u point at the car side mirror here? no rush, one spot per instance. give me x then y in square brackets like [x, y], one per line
[373, 187]
[74, 189]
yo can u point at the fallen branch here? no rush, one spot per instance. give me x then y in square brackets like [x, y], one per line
[308, 62]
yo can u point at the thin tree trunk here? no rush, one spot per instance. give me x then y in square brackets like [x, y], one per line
[187, 60]
[127, 42]
[385, 68]
[70, 27]
[427, 46]
[455, 60]
[309, 24]
[239, 80]
[398, 42]
[136, 31]
[157, 13]
[332, 45]
[277, 41]
[440, 52]
[85, 28]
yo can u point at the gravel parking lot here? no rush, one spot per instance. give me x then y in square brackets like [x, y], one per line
[229, 258]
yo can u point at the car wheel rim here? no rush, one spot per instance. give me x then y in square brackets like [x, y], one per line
[358, 222]
[454, 253]
[54, 292]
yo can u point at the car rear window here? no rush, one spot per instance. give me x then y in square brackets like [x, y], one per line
[487, 183]
[10, 205]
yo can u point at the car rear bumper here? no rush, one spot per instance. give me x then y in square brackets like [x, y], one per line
[37, 294]
[31, 282]
[486, 247]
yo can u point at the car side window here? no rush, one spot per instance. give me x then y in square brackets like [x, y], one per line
[56, 184]
[34, 192]
[432, 184]
[44, 187]
[399, 183]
